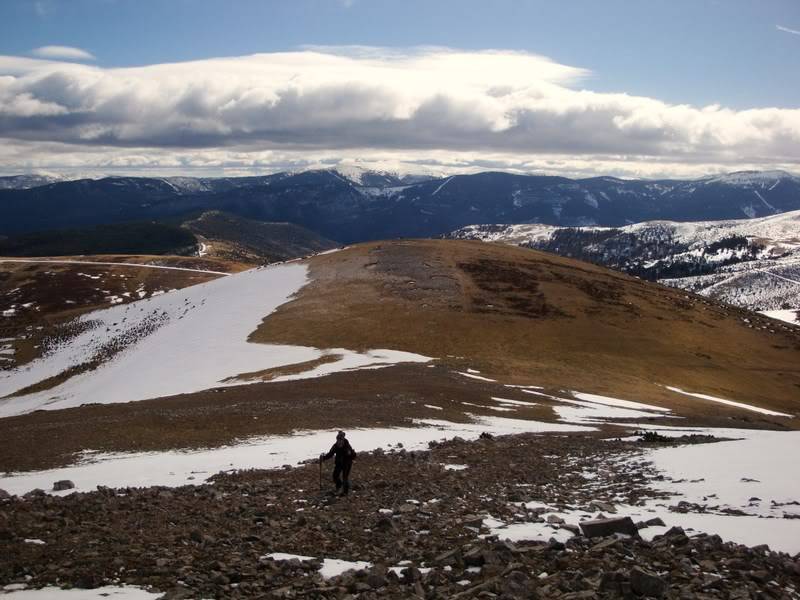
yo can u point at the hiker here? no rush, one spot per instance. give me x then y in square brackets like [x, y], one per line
[344, 454]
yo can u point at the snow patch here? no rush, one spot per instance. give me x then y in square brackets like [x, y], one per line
[331, 567]
[608, 401]
[741, 405]
[473, 376]
[513, 402]
[788, 316]
[516, 532]
[439, 189]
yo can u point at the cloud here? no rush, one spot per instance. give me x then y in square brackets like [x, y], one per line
[787, 30]
[62, 53]
[454, 107]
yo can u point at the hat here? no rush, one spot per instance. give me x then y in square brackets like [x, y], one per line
[340, 435]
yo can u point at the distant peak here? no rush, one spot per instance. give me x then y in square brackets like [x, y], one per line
[749, 177]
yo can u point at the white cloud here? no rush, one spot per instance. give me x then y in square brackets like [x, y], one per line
[787, 30]
[62, 53]
[455, 108]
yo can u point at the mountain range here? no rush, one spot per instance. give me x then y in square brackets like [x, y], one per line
[351, 205]
[212, 234]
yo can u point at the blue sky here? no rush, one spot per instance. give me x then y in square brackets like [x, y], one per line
[697, 51]
[736, 54]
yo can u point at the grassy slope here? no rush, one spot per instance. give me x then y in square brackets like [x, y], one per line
[123, 238]
[237, 238]
[528, 317]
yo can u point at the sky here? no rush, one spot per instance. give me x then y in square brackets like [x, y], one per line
[646, 88]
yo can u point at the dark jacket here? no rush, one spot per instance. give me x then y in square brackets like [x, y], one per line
[344, 454]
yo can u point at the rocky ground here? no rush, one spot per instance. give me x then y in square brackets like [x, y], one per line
[422, 528]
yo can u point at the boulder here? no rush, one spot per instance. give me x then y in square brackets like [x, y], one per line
[600, 506]
[605, 527]
[411, 574]
[376, 581]
[474, 557]
[646, 583]
[63, 484]
[471, 521]
[385, 524]
[677, 536]
[451, 557]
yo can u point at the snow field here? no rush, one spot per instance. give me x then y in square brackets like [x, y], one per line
[179, 342]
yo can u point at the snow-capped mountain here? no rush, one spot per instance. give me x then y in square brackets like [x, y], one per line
[25, 182]
[752, 263]
[350, 203]
[382, 178]
[760, 179]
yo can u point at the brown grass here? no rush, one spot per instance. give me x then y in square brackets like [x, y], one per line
[275, 372]
[523, 316]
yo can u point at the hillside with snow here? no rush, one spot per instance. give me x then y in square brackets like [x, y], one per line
[503, 404]
[752, 263]
[180, 342]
